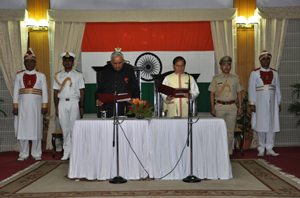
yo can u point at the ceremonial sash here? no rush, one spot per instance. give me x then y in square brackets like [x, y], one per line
[63, 84]
[30, 91]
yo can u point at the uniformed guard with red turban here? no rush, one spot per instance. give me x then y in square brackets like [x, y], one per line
[30, 102]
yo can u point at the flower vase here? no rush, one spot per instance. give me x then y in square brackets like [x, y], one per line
[139, 116]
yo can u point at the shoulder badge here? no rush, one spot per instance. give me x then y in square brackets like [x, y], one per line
[20, 71]
[256, 69]
[273, 69]
[78, 71]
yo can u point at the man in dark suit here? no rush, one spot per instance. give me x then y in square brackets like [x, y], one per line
[120, 78]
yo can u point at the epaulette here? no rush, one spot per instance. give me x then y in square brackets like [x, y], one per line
[273, 69]
[58, 72]
[78, 71]
[256, 69]
[20, 71]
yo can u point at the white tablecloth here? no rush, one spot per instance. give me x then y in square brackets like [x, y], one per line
[93, 156]
[158, 144]
[210, 150]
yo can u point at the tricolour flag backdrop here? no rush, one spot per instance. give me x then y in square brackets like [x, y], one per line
[191, 40]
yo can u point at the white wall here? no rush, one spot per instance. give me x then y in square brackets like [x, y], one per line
[277, 3]
[138, 4]
[13, 4]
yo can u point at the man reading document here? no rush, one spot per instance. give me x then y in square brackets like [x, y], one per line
[178, 106]
[118, 78]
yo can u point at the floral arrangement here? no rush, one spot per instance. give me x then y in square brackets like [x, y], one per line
[140, 108]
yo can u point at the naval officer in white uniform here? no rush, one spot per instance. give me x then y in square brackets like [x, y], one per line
[68, 99]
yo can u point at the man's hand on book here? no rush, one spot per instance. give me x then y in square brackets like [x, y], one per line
[130, 101]
[169, 98]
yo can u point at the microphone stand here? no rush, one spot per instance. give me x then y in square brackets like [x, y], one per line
[191, 178]
[117, 179]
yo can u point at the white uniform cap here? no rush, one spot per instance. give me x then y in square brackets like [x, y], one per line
[68, 55]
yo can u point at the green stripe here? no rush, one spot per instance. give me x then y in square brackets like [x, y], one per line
[148, 95]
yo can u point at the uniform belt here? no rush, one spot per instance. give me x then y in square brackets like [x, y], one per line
[69, 99]
[225, 103]
[30, 91]
[264, 89]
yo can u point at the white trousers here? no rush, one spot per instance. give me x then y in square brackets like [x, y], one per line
[265, 140]
[36, 148]
[68, 114]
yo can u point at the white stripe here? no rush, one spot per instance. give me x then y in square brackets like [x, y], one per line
[197, 62]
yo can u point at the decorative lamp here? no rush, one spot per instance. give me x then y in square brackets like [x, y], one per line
[43, 23]
[241, 20]
[253, 20]
[31, 23]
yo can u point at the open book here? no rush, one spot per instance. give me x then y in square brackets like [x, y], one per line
[109, 98]
[170, 91]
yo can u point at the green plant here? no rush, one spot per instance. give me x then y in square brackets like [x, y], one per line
[244, 120]
[2, 110]
[294, 108]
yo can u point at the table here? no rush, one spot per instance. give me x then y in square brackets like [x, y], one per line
[93, 157]
[210, 150]
[158, 144]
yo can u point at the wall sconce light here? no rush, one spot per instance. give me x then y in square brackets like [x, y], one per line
[42, 25]
[242, 23]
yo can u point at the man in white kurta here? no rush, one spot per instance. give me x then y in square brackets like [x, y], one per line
[178, 79]
[30, 102]
[264, 99]
[68, 88]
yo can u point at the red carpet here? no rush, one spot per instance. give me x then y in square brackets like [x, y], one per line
[287, 161]
[9, 164]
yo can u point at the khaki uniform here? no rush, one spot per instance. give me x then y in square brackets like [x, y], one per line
[226, 90]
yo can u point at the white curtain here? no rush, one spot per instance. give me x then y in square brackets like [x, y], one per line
[13, 45]
[224, 39]
[11, 53]
[271, 30]
[270, 36]
[64, 37]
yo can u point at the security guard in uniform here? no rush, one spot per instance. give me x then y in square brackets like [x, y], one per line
[224, 89]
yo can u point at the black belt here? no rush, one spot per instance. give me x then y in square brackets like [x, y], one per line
[225, 103]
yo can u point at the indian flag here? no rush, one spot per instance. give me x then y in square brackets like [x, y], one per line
[158, 41]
